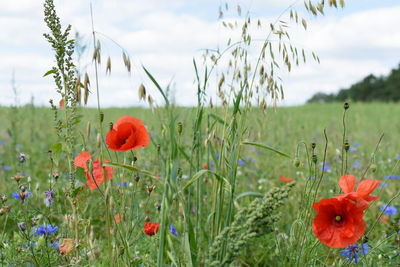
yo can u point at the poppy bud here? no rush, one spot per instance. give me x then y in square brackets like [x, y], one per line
[147, 219]
[179, 127]
[158, 148]
[111, 125]
[296, 162]
[101, 116]
[346, 146]
[137, 177]
[346, 105]
[313, 145]
[314, 158]
[373, 167]
[134, 158]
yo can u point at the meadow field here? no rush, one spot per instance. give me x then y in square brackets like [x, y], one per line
[30, 130]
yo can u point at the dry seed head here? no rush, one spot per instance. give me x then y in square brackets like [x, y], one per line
[239, 10]
[221, 81]
[304, 23]
[150, 101]
[142, 92]
[86, 85]
[78, 89]
[108, 66]
[341, 2]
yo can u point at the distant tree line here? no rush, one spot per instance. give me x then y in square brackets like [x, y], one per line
[371, 88]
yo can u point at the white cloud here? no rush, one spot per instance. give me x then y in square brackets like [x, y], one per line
[164, 38]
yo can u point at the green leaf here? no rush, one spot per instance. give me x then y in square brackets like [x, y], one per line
[132, 168]
[157, 85]
[268, 148]
[52, 71]
[245, 194]
[195, 177]
[56, 152]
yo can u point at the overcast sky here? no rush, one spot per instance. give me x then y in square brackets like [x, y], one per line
[164, 36]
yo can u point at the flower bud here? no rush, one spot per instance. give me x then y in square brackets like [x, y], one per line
[346, 146]
[296, 162]
[346, 105]
[101, 116]
[158, 206]
[98, 140]
[111, 125]
[313, 145]
[314, 158]
[180, 127]
[21, 226]
[137, 177]
[373, 167]
[22, 158]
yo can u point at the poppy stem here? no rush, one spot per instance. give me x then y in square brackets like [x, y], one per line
[372, 157]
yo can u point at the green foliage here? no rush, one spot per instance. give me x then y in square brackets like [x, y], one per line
[369, 89]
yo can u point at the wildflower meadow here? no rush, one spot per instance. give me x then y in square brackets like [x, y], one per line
[233, 181]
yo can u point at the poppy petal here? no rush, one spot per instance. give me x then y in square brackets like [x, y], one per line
[81, 159]
[285, 179]
[366, 187]
[347, 183]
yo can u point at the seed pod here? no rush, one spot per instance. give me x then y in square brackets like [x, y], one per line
[111, 125]
[314, 158]
[137, 177]
[346, 105]
[101, 116]
[313, 145]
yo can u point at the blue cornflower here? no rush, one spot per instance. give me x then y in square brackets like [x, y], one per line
[356, 144]
[241, 162]
[44, 229]
[353, 149]
[1, 142]
[327, 166]
[392, 177]
[125, 184]
[6, 168]
[384, 185]
[217, 155]
[352, 252]
[55, 245]
[390, 210]
[173, 230]
[398, 157]
[22, 195]
[219, 140]
[356, 164]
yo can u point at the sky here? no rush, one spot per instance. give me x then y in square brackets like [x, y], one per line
[165, 36]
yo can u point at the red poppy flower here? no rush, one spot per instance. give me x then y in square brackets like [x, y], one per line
[338, 222]
[127, 133]
[62, 104]
[285, 179]
[150, 228]
[117, 218]
[361, 196]
[205, 166]
[80, 161]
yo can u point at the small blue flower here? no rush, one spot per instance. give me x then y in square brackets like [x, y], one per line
[353, 149]
[398, 157]
[352, 252]
[384, 185]
[217, 155]
[327, 166]
[356, 144]
[6, 168]
[356, 164]
[44, 229]
[392, 177]
[219, 140]
[1, 142]
[173, 230]
[54, 245]
[241, 162]
[390, 210]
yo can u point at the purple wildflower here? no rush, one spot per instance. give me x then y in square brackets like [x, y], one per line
[390, 210]
[173, 230]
